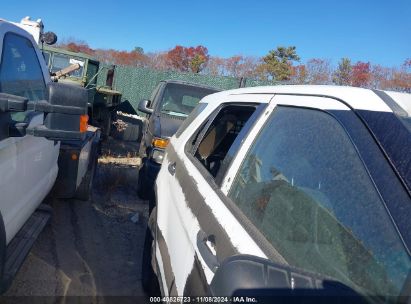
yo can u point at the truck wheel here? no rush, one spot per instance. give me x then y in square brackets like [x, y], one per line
[149, 279]
[84, 190]
[3, 249]
[143, 190]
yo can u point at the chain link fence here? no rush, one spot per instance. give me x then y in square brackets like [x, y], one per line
[137, 83]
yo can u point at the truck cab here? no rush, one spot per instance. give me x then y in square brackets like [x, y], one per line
[168, 107]
[36, 116]
[28, 164]
[102, 98]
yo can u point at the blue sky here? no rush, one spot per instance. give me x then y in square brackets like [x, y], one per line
[378, 31]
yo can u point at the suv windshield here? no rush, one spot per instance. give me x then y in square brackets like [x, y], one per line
[180, 100]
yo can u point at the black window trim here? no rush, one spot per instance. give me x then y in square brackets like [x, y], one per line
[190, 148]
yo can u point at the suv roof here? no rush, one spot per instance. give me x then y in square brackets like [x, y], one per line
[356, 98]
[386, 114]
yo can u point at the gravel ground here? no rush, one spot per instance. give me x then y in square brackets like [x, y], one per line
[93, 248]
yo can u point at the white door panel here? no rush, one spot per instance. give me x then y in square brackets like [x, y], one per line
[176, 220]
[177, 224]
[28, 165]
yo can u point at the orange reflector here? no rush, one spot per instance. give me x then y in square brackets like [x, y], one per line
[83, 123]
[160, 143]
[74, 156]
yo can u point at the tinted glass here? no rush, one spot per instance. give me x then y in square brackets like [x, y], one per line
[304, 186]
[20, 71]
[180, 100]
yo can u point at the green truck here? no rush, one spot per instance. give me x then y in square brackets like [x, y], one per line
[102, 99]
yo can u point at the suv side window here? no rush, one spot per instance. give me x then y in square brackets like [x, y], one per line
[214, 140]
[305, 188]
[20, 70]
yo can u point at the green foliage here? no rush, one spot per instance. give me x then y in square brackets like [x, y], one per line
[278, 63]
[138, 49]
[197, 62]
[342, 76]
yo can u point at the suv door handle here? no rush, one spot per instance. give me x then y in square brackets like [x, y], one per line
[172, 168]
[208, 256]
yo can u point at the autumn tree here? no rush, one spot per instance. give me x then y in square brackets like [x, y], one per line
[215, 66]
[318, 71]
[381, 77]
[342, 76]
[77, 46]
[158, 60]
[361, 75]
[278, 62]
[299, 74]
[401, 78]
[187, 59]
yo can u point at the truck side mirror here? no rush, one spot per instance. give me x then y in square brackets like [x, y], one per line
[12, 103]
[143, 106]
[49, 38]
[65, 113]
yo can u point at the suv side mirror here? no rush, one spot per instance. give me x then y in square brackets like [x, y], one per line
[65, 112]
[143, 106]
[255, 277]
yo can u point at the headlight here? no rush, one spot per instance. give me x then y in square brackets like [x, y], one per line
[158, 156]
[159, 142]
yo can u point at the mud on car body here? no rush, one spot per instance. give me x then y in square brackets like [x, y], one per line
[295, 189]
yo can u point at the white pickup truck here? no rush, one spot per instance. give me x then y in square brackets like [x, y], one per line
[44, 142]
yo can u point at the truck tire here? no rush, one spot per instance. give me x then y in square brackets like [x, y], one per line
[3, 248]
[142, 186]
[84, 190]
[149, 279]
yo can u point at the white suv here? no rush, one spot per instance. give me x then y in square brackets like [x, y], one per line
[289, 189]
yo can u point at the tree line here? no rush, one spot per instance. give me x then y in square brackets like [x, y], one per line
[281, 64]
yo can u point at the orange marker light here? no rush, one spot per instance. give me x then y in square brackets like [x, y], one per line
[74, 156]
[83, 123]
[160, 142]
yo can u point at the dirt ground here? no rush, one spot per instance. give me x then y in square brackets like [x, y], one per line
[93, 248]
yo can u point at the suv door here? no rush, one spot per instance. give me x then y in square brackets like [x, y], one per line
[195, 229]
[305, 189]
[28, 164]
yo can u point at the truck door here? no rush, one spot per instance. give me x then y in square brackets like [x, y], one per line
[28, 165]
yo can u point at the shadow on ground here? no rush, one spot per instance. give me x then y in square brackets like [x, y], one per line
[90, 248]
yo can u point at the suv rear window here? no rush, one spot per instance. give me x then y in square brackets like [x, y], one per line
[306, 189]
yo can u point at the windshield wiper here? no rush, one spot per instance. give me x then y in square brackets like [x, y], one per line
[173, 112]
